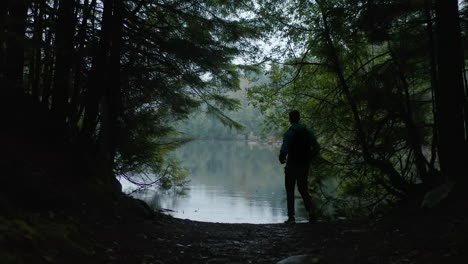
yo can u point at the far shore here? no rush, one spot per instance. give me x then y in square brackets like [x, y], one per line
[274, 143]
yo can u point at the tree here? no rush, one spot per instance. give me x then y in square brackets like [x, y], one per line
[15, 28]
[450, 97]
[362, 72]
[114, 74]
[64, 36]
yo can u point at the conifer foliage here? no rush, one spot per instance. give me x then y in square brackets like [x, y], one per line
[114, 74]
[383, 84]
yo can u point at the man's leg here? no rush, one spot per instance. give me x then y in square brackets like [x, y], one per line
[290, 181]
[304, 191]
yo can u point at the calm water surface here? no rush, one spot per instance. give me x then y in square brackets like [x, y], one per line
[230, 182]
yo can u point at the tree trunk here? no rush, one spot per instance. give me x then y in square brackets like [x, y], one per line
[48, 61]
[63, 60]
[16, 27]
[37, 58]
[79, 61]
[433, 72]
[3, 15]
[450, 95]
[111, 107]
[96, 80]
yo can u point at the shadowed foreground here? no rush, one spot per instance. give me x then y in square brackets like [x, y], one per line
[57, 219]
[169, 240]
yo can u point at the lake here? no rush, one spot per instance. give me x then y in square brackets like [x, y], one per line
[230, 182]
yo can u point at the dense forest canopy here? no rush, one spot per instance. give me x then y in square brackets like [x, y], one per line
[382, 82]
[114, 74]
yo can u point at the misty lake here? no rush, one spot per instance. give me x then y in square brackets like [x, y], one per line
[230, 182]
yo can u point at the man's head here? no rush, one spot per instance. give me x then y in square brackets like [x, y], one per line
[294, 117]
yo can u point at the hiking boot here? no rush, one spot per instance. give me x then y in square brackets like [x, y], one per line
[291, 220]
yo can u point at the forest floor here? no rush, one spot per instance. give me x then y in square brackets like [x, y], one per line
[165, 239]
[132, 238]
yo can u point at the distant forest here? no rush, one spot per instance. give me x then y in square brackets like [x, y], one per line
[202, 125]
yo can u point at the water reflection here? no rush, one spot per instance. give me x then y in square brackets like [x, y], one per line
[230, 182]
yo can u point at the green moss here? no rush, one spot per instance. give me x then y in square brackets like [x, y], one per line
[30, 237]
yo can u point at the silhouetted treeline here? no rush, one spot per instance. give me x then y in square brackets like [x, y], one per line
[113, 73]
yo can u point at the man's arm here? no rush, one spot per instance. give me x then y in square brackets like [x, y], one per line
[284, 147]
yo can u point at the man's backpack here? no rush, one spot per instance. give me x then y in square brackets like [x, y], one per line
[302, 147]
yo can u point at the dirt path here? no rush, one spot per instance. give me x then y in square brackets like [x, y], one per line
[184, 241]
[169, 240]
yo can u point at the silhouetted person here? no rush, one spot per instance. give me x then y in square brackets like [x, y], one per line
[299, 147]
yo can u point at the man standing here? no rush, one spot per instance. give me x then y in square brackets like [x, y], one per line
[298, 148]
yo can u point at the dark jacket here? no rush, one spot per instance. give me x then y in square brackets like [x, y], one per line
[287, 138]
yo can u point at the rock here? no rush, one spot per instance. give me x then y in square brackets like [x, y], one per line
[218, 260]
[436, 195]
[354, 231]
[141, 235]
[300, 259]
